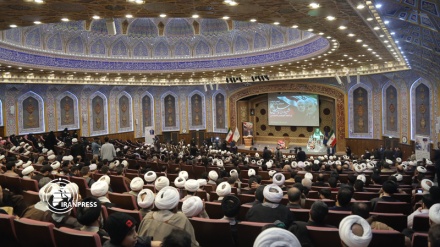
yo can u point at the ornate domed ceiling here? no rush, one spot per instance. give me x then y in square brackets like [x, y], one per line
[285, 39]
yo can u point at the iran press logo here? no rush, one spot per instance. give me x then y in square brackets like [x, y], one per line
[64, 198]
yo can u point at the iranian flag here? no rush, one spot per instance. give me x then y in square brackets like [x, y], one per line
[236, 135]
[229, 135]
[332, 139]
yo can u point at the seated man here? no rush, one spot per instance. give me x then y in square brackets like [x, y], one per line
[385, 194]
[145, 200]
[38, 210]
[294, 196]
[231, 208]
[90, 217]
[158, 224]
[355, 232]
[434, 236]
[320, 181]
[343, 199]
[270, 210]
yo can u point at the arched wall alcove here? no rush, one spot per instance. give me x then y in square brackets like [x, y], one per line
[295, 87]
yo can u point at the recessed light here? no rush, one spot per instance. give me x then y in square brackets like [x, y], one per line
[392, 33]
[253, 20]
[310, 29]
[13, 25]
[65, 19]
[38, 1]
[37, 22]
[351, 35]
[233, 3]
[128, 16]
[225, 17]
[360, 6]
[369, 19]
[295, 26]
[358, 40]
[342, 27]
[96, 17]
[163, 15]
[321, 33]
[314, 5]
[195, 16]
[276, 23]
[378, 6]
[376, 28]
[386, 22]
[330, 18]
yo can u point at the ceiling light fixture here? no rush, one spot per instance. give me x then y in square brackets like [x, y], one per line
[253, 20]
[65, 19]
[162, 15]
[128, 16]
[342, 27]
[295, 26]
[378, 6]
[37, 22]
[351, 35]
[13, 25]
[376, 28]
[330, 18]
[95, 17]
[225, 17]
[276, 23]
[195, 16]
[360, 6]
[369, 19]
[314, 5]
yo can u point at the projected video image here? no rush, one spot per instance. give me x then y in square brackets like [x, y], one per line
[290, 109]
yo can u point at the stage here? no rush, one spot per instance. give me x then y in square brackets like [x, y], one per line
[290, 150]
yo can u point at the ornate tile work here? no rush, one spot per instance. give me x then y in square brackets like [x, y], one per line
[98, 48]
[277, 38]
[183, 113]
[147, 109]
[429, 7]
[1, 113]
[161, 50]
[49, 99]
[202, 48]
[142, 27]
[222, 47]
[390, 110]
[33, 38]
[125, 114]
[119, 49]
[76, 45]
[260, 41]
[13, 35]
[170, 111]
[141, 50]
[55, 43]
[196, 110]
[220, 114]
[99, 114]
[179, 27]
[67, 111]
[421, 108]
[99, 27]
[181, 49]
[294, 34]
[30, 113]
[241, 44]
[360, 104]
[213, 26]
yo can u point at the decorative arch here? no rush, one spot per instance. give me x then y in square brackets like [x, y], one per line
[202, 48]
[99, 113]
[125, 112]
[141, 50]
[147, 101]
[179, 27]
[55, 42]
[13, 35]
[294, 34]
[99, 27]
[260, 41]
[276, 37]
[30, 113]
[240, 44]
[360, 112]
[119, 48]
[210, 27]
[182, 49]
[421, 108]
[196, 110]
[67, 111]
[222, 47]
[391, 110]
[161, 50]
[220, 115]
[142, 27]
[170, 111]
[76, 45]
[98, 48]
[33, 37]
[320, 89]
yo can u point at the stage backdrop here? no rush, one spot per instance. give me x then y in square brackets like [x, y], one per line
[262, 127]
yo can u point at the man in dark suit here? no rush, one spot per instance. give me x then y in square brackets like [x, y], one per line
[77, 149]
[301, 155]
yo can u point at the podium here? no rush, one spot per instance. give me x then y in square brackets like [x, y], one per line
[247, 141]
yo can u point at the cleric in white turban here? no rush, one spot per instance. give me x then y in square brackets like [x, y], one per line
[105, 178]
[191, 185]
[279, 179]
[161, 182]
[28, 172]
[222, 190]
[212, 176]
[276, 237]
[145, 200]
[99, 189]
[159, 224]
[434, 214]
[150, 177]
[271, 173]
[45, 193]
[251, 172]
[355, 231]
[192, 206]
[179, 182]
[183, 174]
[136, 185]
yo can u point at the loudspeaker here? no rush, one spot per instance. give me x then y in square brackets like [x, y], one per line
[111, 27]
